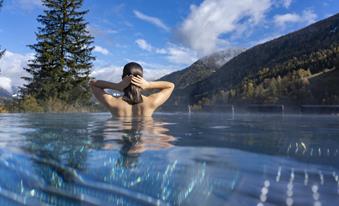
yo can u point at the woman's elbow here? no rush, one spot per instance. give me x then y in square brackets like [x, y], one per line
[171, 85]
[92, 82]
[94, 89]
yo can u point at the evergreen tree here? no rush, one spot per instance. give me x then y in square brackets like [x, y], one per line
[63, 57]
[273, 87]
[259, 93]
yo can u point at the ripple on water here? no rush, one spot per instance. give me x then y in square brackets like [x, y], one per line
[220, 127]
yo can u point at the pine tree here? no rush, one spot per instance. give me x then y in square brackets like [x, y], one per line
[63, 57]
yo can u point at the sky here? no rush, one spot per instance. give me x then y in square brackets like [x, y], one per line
[163, 36]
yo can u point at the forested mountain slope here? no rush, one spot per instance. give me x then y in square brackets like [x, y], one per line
[277, 71]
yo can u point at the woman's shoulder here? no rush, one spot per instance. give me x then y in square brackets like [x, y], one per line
[145, 99]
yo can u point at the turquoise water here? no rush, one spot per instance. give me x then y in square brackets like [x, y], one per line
[171, 159]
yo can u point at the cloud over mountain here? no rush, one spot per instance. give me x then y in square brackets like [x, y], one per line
[307, 16]
[206, 23]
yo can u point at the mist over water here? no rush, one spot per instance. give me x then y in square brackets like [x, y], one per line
[170, 159]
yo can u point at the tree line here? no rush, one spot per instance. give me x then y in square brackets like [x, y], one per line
[290, 82]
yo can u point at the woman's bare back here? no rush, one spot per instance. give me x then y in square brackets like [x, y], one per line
[124, 109]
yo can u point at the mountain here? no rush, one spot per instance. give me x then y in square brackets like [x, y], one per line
[202, 68]
[4, 93]
[326, 83]
[278, 71]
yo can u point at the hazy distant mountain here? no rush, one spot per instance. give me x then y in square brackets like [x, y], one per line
[278, 71]
[218, 59]
[4, 93]
[202, 68]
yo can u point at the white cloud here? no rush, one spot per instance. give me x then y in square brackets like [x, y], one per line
[101, 50]
[98, 31]
[6, 83]
[153, 20]
[308, 17]
[282, 3]
[175, 54]
[107, 72]
[281, 20]
[202, 29]
[160, 51]
[11, 65]
[286, 3]
[144, 45]
[113, 73]
[151, 74]
[181, 55]
[153, 71]
[154, 74]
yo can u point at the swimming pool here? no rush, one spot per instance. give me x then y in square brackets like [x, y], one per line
[171, 159]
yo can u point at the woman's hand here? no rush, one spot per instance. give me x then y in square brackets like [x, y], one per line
[125, 82]
[140, 82]
[92, 82]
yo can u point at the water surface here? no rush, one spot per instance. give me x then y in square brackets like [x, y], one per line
[170, 159]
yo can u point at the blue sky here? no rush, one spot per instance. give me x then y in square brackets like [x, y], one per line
[163, 36]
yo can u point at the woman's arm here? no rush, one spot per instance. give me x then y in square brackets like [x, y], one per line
[160, 85]
[108, 100]
[158, 98]
[107, 85]
[141, 82]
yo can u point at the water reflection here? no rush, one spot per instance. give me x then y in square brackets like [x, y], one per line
[131, 136]
[137, 135]
[68, 143]
[54, 151]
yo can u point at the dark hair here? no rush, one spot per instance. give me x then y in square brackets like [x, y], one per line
[132, 93]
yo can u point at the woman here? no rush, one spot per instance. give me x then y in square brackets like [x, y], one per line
[132, 103]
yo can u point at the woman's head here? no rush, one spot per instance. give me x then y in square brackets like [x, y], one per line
[132, 93]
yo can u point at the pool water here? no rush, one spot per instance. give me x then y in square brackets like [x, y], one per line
[170, 159]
